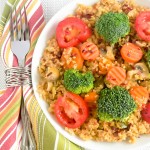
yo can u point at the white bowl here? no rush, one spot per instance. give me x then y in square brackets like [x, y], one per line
[46, 34]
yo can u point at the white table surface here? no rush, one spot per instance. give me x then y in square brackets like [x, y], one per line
[50, 8]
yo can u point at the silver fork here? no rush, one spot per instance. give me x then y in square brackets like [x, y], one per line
[20, 44]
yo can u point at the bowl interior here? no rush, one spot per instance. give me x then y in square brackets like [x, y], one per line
[46, 34]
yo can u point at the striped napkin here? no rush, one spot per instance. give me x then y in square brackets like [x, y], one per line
[47, 138]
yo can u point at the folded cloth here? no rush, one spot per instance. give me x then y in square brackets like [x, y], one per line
[47, 138]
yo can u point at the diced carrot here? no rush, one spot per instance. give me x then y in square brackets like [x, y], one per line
[139, 94]
[89, 51]
[116, 76]
[72, 58]
[131, 53]
[104, 65]
[91, 97]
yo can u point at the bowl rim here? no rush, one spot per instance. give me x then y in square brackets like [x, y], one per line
[86, 144]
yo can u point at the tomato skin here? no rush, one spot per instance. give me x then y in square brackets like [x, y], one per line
[71, 31]
[146, 113]
[142, 25]
[62, 109]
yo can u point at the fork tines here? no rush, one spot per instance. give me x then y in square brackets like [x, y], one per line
[19, 25]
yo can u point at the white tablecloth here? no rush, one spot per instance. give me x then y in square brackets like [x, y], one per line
[50, 8]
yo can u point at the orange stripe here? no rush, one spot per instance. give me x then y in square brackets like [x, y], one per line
[37, 33]
[9, 123]
[15, 98]
[29, 55]
[33, 38]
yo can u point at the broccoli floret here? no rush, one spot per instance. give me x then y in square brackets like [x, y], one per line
[112, 26]
[115, 104]
[147, 58]
[77, 82]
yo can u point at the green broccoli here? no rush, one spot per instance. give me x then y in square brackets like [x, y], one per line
[112, 26]
[77, 82]
[115, 104]
[147, 58]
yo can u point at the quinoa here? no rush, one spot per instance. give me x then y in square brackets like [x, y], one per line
[93, 128]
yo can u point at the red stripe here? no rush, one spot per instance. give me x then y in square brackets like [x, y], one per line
[11, 139]
[29, 60]
[37, 14]
[6, 95]
[37, 25]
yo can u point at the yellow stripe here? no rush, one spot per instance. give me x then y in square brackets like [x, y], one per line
[34, 106]
[8, 107]
[31, 6]
[9, 113]
[9, 123]
[2, 92]
[7, 52]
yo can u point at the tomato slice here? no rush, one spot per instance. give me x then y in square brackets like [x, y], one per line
[146, 113]
[71, 110]
[71, 31]
[142, 25]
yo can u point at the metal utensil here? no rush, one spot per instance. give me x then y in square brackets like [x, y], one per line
[20, 45]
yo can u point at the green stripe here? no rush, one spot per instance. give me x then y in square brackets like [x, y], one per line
[41, 119]
[49, 136]
[63, 142]
[7, 9]
[12, 1]
[33, 44]
[10, 113]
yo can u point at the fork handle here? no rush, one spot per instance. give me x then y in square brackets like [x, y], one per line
[28, 141]
[21, 62]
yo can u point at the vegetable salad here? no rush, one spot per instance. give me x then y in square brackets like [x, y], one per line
[107, 80]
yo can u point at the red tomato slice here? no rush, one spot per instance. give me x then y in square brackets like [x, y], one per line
[142, 25]
[146, 113]
[71, 110]
[71, 31]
